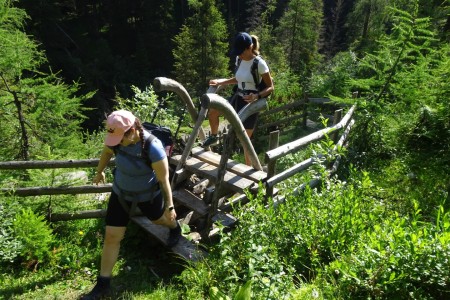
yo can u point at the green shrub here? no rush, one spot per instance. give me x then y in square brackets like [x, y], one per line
[400, 258]
[35, 235]
[10, 247]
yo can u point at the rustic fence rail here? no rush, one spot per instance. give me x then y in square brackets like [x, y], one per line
[269, 180]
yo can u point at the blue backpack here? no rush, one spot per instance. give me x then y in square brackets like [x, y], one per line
[163, 133]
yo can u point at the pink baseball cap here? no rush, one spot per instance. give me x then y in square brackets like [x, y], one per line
[117, 123]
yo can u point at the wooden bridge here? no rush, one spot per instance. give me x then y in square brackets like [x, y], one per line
[205, 184]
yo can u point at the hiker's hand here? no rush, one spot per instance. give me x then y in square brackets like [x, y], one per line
[170, 214]
[214, 82]
[250, 98]
[99, 178]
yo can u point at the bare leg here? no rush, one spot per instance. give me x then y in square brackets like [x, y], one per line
[248, 161]
[111, 247]
[213, 117]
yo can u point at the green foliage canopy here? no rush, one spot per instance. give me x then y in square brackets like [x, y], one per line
[37, 108]
[200, 47]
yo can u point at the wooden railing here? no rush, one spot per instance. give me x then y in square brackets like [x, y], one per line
[277, 152]
[270, 181]
[298, 111]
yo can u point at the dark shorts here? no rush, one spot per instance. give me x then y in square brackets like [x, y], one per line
[117, 216]
[238, 103]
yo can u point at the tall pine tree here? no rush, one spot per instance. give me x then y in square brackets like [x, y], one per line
[37, 109]
[299, 31]
[201, 51]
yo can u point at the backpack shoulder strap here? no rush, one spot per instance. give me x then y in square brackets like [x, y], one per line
[238, 63]
[254, 70]
[145, 149]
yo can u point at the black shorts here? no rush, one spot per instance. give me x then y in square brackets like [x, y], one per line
[238, 103]
[117, 216]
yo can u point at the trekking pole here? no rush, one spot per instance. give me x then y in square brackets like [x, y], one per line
[180, 121]
[155, 112]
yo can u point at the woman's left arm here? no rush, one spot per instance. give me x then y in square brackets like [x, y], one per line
[161, 169]
[269, 85]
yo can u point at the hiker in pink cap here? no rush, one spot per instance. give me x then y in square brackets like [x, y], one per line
[141, 179]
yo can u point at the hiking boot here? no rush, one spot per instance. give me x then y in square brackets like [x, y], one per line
[101, 289]
[210, 140]
[174, 236]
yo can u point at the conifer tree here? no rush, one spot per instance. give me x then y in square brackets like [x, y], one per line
[201, 51]
[37, 109]
[299, 32]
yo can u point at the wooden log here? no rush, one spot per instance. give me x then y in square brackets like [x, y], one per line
[289, 173]
[200, 187]
[286, 107]
[184, 248]
[294, 146]
[190, 143]
[63, 190]
[232, 166]
[228, 146]
[288, 120]
[186, 198]
[336, 119]
[232, 181]
[241, 199]
[305, 111]
[77, 215]
[274, 140]
[51, 164]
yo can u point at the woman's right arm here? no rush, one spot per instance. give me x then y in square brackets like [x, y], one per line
[215, 82]
[105, 157]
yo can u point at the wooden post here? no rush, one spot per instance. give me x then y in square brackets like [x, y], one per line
[337, 118]
[274, 139]
[305, 111]
[228, 146]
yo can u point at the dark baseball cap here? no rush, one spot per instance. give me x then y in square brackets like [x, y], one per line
[241, 42]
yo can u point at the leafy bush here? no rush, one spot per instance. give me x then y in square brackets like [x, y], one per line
[35, 236]
[401, 258]
[10, 247]
[333, 78]
[144, 104]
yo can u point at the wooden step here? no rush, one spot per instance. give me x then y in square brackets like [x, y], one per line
[190, 200]
[184, 248]
[242, 170]
[227, 220]
[232, 181]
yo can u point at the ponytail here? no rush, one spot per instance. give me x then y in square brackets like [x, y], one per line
[255, 42]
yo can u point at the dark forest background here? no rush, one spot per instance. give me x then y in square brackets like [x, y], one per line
[107, 46]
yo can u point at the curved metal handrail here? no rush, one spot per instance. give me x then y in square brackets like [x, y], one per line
[217, 102]
[166, 84]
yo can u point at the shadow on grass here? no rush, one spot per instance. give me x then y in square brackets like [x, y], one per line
[144, 265]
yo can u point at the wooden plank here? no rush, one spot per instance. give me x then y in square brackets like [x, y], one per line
[191, 201]
[225, 219]
[231, 181]
[232, 166]
[184, 248]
